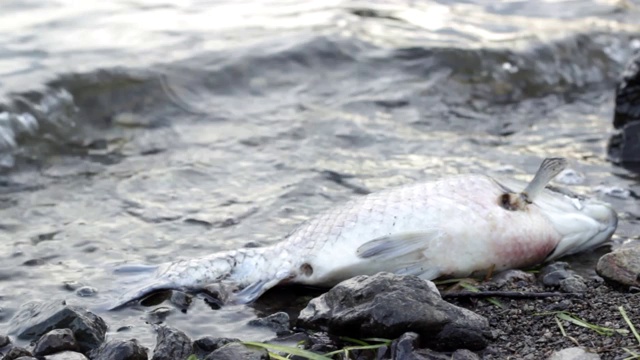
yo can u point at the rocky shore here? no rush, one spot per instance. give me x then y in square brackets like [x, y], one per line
[515, 315]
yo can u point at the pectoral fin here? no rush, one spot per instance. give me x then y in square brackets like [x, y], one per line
[397, 246]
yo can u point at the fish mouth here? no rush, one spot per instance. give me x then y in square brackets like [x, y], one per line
[583, 223]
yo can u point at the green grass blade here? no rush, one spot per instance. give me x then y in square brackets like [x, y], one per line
[288, 349]
[351, 348]
[629, 323]
[355, 341]
[379, 340]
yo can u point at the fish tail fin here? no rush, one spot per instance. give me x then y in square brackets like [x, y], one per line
[137, 282]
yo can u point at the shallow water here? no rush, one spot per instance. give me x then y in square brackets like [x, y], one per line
[142, 131]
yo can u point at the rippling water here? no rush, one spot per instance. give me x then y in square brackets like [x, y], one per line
[145, 131]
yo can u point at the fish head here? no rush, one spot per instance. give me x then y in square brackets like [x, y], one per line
[583, 223]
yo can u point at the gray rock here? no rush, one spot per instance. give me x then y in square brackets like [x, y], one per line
[36, 319]
[405, 346]
[464, 354]
[4, 341]
[559, 275]
[208, 344]
[16, 352]
[55, 341]
[120, 350]
[171, 344]
[279, 322]
[621, 266]
[66, 355]
[234, 351]
[27, 358]
[387, 305]
[574, 353]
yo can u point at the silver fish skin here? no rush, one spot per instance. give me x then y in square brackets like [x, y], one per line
[453, 227]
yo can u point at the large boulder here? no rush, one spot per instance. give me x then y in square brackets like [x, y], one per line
[387, 305]
[36, 319]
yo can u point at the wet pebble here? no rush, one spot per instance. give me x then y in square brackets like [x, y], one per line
[120, 350]
[66, 355]
[621, 266]
[278, 322]
[559, 275]
[208, 344]
[4, 341]
[171, 344]
[16, 352]
[234, 351]
[86, 291]
[55, 341]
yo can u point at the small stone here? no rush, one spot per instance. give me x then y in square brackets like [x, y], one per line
[574, 353]
[404, 346]
[278, 322]
[16, 352]
[66, 355]
[234, 351]
[86, 291]
[621, 266]
[181, 300]
[574, 284]
[120, 350]
[464, 354]
[55, 341]
[171, 344]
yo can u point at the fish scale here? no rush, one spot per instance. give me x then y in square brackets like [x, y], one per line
[455, 226]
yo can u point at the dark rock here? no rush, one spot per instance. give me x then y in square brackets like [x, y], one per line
[627, 107]
[36, 319]
[404, 347]
[621, 266]
[208, 344]
[120, 350]
[387, 305]
[55, 341]
[171, 344]
[279, 322]
[624, 147]
[321, 342]
[16, 352]
[559, 275]
[4, 341]
[234, 351]
[66, 355]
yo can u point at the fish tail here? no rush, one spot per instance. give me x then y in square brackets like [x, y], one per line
[246, 269]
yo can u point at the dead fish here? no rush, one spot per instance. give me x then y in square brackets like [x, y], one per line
[454, 227]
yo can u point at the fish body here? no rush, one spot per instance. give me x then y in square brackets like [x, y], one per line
[454, 227]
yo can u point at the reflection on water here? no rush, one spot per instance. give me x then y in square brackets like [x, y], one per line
[143, 131]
